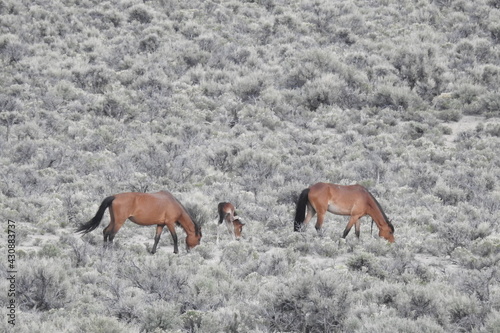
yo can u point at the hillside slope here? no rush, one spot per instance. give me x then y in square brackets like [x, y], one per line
[251, 102]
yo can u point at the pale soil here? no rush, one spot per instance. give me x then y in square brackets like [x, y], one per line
[466, 124]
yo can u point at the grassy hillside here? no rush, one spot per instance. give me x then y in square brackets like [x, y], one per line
[251, 102]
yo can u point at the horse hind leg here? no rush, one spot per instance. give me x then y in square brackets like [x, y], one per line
[309, 215]
[111, 230]
[108, 234]
[319, 223]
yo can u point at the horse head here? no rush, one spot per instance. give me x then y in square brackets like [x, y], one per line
[193, 240]
[238, 227]
[388, 232]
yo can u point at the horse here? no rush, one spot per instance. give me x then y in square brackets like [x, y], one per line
[228, 214]
[160, 208]
[348, 200]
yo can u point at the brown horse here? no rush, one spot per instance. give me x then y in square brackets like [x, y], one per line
[159, 208]
[353, 200]
[227, 213]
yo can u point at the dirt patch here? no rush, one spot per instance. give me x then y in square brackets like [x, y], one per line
[467, 124]
[441, 266]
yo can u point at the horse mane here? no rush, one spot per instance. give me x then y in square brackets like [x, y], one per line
[382, 211]
[197, 229]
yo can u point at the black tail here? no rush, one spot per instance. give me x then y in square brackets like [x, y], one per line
[300, 213]
[96, 220]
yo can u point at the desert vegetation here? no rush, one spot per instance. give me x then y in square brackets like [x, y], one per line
[251, 102]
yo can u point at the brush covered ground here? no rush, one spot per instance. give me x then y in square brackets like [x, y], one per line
[251, 102]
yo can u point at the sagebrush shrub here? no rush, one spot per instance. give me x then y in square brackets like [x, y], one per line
[43, 287]
[103, 324]
[94, 79]
[149, 44]
[464, 313]
[250, 87]
[275, 262]
[492, 322]
[423, 301]
[141, 14]
[387, 321]
[315, 303]
[161, 316]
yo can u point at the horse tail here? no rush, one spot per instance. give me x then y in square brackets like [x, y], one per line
[300, 212]
[96, 220]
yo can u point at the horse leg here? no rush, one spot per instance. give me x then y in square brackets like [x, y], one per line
[159, 230]
[319, 222]
[107, 233]
[114, 230]
[108, 230]
[352, 221]
[116, 222]
[310, 214]
[229, 223]
[171, 228]
[358, 228]
[229, 229]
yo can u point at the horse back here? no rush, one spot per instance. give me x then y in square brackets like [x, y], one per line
[339, 199]
[142, 207]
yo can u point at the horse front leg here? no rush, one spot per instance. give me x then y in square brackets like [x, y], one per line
[171, 228]
[159, 230]
[357, 226]
[230, 229]
[352, 221]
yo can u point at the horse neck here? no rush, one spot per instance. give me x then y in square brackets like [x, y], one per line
[377, 214]
[187, 224]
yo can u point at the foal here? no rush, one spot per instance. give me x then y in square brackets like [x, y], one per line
[228, 214]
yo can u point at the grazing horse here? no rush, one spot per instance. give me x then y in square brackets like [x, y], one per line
[160, 208]
[227, 213]
[352, 200]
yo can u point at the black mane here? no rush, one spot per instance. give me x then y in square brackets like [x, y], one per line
[383, 213]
